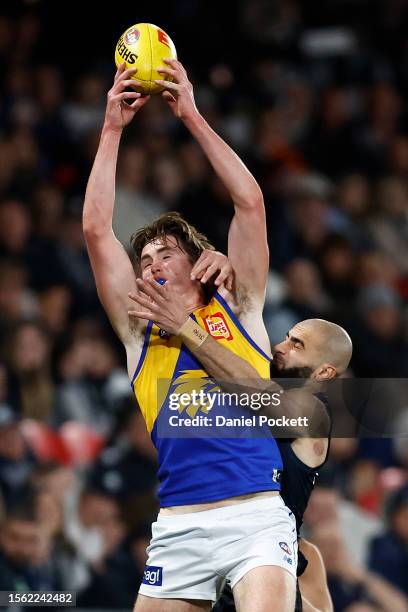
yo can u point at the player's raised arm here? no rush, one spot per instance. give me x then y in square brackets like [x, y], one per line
[247, 244]
[111, 265]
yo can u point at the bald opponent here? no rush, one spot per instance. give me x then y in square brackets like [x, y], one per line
[314, 349]
[209, 488]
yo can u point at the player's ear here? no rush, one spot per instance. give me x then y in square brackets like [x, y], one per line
[326, 371]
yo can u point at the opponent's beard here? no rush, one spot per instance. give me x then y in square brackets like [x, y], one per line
[300, 372]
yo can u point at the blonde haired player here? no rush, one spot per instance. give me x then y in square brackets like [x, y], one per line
[221, 514]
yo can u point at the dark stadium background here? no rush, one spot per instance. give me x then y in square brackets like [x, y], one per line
[313, 96]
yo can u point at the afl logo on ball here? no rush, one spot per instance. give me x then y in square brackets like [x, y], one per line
[132, 36]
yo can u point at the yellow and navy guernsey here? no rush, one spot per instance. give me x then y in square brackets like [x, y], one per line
[198, 470]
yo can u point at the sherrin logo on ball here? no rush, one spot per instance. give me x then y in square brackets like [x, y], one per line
[144, 46]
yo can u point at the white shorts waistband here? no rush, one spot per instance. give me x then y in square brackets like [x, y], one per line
[244, 507]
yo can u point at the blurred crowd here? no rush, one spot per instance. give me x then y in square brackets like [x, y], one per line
[314, 99]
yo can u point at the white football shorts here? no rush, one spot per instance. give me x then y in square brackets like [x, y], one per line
[191, 554]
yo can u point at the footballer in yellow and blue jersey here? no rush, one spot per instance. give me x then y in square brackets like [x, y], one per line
[194, 470]
[182, 561]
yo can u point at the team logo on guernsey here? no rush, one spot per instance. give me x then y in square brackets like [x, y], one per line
[217, 326]
[194, 380]
[284, 546]
[132, 36]
[153, 575]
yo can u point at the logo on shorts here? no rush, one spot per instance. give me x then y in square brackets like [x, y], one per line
[288, 559]
[153, 575]
[285, 547]
[132, 36]
[217, 326]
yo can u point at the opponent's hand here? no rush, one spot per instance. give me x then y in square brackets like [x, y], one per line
[211, 262]
[159, 304]
[179, 92]
[118, 112]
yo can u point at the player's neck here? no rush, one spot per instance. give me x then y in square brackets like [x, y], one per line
[194, 299]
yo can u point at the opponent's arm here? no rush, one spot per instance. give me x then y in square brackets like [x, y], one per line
[313, 582]
[112, 268]
[247, 241]
[167, 309]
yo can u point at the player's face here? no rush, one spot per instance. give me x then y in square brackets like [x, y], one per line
[166, 260]
[296, 355]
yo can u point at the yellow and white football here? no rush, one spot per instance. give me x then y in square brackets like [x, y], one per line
[144, 46]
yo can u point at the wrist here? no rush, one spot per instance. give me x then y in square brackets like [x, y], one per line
[112, 131]
[191, 334]
[193, 119]
[181, 325]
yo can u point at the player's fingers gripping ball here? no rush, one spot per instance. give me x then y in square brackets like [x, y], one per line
[144, 46]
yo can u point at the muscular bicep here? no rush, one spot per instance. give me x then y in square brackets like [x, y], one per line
[248, 249]
[114, 278]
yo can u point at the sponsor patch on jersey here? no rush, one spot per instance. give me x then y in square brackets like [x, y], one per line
[284, 546]
[132, 36]
[217, 326]
[153, 575]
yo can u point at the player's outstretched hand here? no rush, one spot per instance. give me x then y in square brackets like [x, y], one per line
[178, 93]
[159, 304]
[211, 262]
[122, 105]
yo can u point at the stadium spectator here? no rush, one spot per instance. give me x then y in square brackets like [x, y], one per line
[349, 582]
[388, 555]
[25, 554]
[16, 459]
